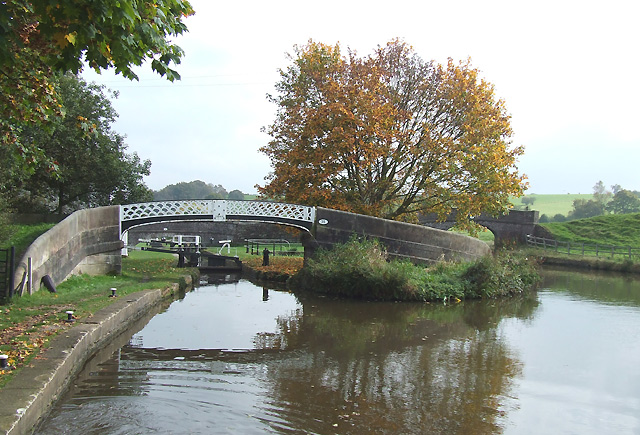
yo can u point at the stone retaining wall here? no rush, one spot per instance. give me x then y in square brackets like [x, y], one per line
[418, 243]
[87, 241]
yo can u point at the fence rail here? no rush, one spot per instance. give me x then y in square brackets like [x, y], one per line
[583, 249]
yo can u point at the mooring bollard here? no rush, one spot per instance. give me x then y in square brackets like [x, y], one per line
[4, 362]
[70, 317]
[113, 292]
[265, 257]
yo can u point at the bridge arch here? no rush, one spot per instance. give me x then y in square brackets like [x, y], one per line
[513, 226]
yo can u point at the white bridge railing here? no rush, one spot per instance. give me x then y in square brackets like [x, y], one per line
[219, 210]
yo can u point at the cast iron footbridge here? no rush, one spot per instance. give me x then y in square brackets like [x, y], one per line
[215, 210]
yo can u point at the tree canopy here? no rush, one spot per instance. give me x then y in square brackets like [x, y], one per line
[42, 38]
[617, 201]
[94, 168]
[389, 135]
[623, 202]
[196, 189]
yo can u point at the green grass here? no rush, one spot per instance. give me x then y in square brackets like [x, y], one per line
[610, 242]
[553, 204]
[241, 250]
[23, 235]
[617, 230]
[483, 235]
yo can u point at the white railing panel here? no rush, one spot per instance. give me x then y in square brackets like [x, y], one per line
[165, 208]
[219, 209]
[271, 209]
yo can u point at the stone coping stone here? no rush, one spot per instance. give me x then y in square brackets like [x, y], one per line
[29, 396]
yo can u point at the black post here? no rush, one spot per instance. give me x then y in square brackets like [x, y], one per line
[12, 267]
[180, 258]
[265, 257]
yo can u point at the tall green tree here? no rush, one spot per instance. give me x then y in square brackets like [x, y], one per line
[583, 208]
[236, 195]
[390, 135]
[94, 168]
[624, 201]
[600, 193]
[42, 38]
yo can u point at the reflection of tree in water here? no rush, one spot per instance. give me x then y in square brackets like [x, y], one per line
[285, 338]
[395, 368]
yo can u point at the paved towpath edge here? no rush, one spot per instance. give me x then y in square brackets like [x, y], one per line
[31, 393]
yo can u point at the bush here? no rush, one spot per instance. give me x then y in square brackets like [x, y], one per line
[559, 217]
[357, 269]
[503, 275]
[360, 269]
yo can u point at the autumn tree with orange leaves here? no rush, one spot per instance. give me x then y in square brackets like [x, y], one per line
[389, 135]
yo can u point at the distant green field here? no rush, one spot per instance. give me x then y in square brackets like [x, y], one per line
[553, 204]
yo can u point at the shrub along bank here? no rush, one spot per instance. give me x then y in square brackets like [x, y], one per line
[360, 269]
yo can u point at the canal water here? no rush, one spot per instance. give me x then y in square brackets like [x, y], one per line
[233, 357]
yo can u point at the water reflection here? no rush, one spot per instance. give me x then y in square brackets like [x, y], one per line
[605, 287]
[240, 358]
[397, 368]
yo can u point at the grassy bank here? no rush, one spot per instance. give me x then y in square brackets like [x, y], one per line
[586, 243]
[27, 323]
[360, 269]
[619, 230]
[23, 235]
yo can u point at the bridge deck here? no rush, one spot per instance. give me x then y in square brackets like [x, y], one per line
[216, 210]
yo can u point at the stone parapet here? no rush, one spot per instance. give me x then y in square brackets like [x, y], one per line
[419, 243]
[87, 241]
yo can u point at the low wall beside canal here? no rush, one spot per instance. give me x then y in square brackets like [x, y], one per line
[87, 241]
[403, 240]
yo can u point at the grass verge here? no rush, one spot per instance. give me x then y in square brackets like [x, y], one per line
[618, 230]
[28, 322]
[591, 240]
[279, 268]
[23, 235]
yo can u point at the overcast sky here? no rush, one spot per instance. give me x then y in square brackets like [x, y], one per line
[567, 70]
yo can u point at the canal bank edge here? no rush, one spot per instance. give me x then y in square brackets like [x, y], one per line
[31, 393]
[591, 264]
